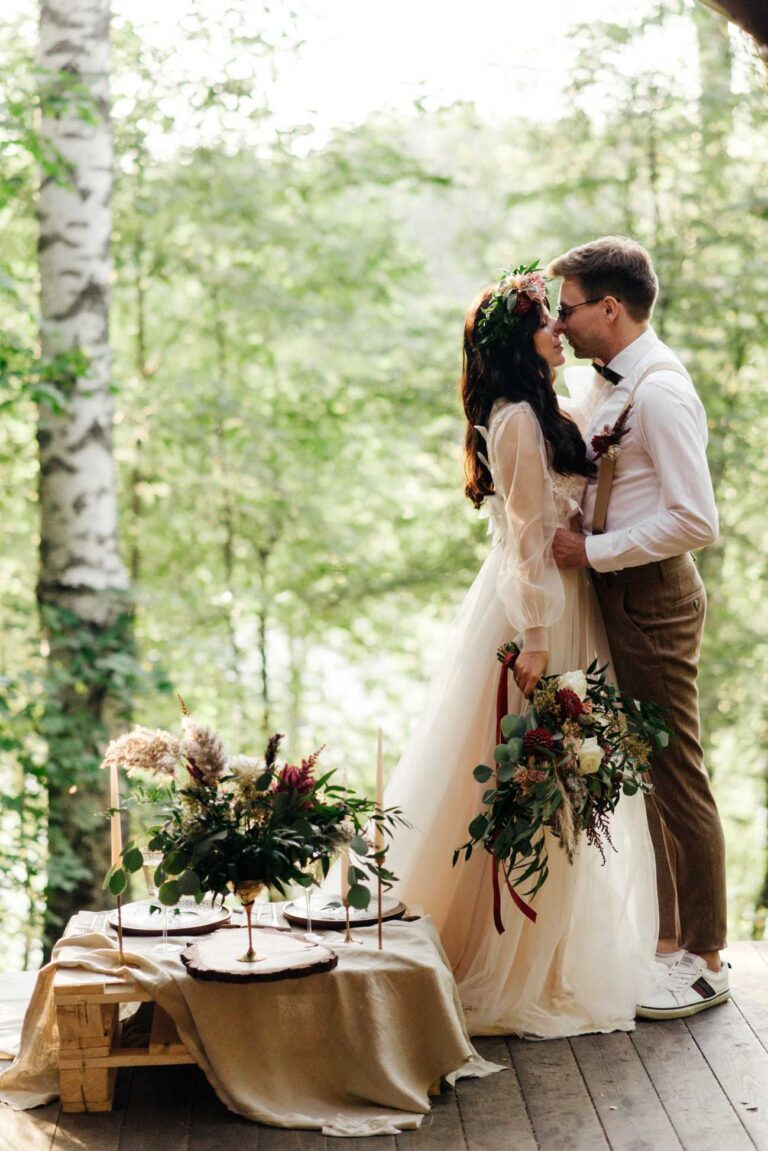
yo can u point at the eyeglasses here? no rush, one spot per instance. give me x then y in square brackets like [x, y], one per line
[564, 310]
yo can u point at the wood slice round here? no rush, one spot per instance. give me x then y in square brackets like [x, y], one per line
[217, 957]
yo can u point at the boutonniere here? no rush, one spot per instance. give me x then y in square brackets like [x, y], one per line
[608, 441]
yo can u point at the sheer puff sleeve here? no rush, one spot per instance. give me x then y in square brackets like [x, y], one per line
[529, 583]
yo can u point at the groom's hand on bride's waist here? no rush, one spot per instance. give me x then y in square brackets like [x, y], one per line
[569, 549]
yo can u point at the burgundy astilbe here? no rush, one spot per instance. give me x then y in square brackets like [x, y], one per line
[292, 778]
[300, 779]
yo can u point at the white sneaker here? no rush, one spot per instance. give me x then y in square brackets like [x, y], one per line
[685, 989]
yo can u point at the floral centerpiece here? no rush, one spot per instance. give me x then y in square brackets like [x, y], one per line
[240, 823]
[562, 766]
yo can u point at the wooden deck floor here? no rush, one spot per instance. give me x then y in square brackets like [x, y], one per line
[700, 1085]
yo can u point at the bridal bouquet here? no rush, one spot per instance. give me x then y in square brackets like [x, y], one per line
[230, 821]
[563, 766]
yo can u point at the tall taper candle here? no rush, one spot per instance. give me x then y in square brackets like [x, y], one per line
[115, 828]
[378, 835]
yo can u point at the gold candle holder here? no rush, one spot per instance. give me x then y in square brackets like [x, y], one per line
[120, 953]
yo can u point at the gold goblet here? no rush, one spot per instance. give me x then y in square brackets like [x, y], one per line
[247, 892]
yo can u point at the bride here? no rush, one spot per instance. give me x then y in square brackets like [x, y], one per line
[583, 964]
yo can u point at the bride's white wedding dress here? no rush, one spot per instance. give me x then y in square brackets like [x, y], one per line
[586, 961]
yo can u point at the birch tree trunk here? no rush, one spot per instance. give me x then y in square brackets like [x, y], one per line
[83, 588]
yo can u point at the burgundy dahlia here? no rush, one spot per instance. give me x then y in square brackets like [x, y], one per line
[571, 706]
[536, 739]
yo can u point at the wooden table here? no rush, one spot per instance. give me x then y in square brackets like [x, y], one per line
[90, 1033]
[91, 1049]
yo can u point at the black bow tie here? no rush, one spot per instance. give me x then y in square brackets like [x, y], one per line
[608, 373]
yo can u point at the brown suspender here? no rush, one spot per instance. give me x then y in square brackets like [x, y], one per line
[607, 462]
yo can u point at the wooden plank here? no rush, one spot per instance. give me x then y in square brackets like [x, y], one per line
[213, 1126]
[72, 980]
[285, 1139]
[761, 947]
[159, 1110]
[624, 1098]
[440, 1130]
[86, 1026]
[117, 993]
[363, 1143]
[749, 980]
[89, 1087]
[559, 1106]
[699, 1111]
[126, 1057]
[93, 1131]
[28, 1130]
[740, 1063]
[494, 1104]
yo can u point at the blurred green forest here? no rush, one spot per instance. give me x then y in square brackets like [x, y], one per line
[286, 325]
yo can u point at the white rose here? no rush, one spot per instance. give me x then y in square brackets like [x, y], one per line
[574, 681]
[590, 756]
[246, 769]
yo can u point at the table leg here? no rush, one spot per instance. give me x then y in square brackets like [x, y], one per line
[87, 1088]
[86, 1032]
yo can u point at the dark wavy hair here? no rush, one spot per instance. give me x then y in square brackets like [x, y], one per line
[510, 368]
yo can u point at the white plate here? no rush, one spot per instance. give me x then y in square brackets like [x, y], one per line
[185, 919]
[335, 916]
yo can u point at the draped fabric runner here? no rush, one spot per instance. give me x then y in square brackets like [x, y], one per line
[501, 710]
[352, 1052]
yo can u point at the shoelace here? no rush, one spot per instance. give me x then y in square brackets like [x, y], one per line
[685, 972]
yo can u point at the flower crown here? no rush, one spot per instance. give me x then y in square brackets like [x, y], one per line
[515, 294]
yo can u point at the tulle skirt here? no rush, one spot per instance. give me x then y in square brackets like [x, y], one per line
[588, 958]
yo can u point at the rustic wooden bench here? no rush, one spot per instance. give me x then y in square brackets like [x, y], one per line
[90, 1037]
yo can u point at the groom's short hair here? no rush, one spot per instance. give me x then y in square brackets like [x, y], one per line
[612, 266]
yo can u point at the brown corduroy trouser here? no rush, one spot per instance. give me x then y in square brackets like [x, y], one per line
[654, 617]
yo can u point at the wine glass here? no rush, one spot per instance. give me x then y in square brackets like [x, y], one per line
[152, 861]
[314, 868]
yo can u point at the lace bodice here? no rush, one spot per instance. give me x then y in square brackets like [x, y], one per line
[568, 494]
[530, 502]
[567, 491]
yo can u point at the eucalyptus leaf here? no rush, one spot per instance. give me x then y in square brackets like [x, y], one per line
[118, 882]
[170, 893]
[478, 826]
[358, 897]
[133, 859]
[515, 746]
[513, 726]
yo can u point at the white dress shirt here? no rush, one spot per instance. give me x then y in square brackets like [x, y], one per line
[662, 502]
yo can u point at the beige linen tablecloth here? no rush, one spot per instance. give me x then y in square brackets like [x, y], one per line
[350, 1052]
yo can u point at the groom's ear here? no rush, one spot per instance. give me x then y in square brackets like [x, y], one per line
[611, 308]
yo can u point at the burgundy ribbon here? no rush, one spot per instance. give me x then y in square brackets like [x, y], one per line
[501, 711]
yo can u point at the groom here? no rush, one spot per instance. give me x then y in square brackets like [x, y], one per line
[660, 508]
